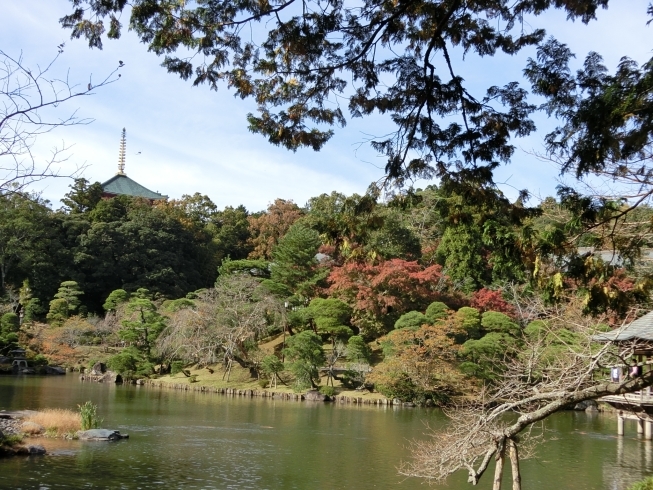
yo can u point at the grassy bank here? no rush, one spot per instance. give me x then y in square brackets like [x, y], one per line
[240, 379]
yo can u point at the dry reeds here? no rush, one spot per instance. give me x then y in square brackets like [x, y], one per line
[57, 421]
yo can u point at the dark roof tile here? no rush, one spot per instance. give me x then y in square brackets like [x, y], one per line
[120, 184]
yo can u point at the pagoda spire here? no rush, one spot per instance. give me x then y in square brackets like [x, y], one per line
[122, 153]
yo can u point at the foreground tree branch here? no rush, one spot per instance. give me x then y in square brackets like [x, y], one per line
[299, 61]
[559, 365]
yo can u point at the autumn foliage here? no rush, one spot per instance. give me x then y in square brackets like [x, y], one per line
[380, 293]
[420, 364]
[269, 227]
[491, 300]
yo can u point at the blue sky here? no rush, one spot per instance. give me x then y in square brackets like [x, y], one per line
[191, 139]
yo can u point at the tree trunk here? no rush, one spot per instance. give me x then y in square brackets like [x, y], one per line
[229, 370]
[498, 470]
[514, 463]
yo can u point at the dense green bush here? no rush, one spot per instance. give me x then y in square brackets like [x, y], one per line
[412, 319]
[469, 320]
[305, 352]
[493, 321]
[358, 350]
[33, 310]
[436, 311]
[352, 379]
[328, 390]
[401, 387]
[130, 364]
[39, 360]
[115, 298]
[9, 323]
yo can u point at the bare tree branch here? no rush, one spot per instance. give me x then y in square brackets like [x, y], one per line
[30, 100]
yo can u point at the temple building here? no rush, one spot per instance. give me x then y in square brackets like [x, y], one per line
[121, 185]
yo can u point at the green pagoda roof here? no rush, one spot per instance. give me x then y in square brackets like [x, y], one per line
[120, 184]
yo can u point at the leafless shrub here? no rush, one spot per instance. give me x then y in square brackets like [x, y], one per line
[224, 324]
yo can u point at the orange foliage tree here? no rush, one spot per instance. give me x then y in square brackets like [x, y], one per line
[267, 228]
[420, 364]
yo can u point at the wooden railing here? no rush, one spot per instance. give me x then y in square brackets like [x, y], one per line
[644, 397]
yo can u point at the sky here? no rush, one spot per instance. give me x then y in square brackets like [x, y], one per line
[183, 139]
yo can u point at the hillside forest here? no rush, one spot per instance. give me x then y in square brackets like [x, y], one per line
[416, 295]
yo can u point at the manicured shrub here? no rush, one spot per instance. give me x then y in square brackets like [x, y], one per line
[469, 320]
[436, 311]
[358, 350]
[176, 367]
[33, 310]
[496, 322]
[115, 298]
[399, 386]
[352, 379]
[412, 319]
[39, 360]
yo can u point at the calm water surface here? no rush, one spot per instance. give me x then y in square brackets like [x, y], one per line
[205, 441]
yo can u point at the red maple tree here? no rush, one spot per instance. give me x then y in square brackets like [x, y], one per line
[380, 293]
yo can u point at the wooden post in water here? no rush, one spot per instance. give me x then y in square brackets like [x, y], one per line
[498, 469]
[620, 424]
[514, 463]
[648, 429]
[640, 425]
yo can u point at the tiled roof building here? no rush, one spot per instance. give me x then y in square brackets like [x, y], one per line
[121, 185]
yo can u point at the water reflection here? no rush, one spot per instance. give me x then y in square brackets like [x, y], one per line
[197, 440]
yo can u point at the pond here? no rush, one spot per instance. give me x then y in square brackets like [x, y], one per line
[194, 440]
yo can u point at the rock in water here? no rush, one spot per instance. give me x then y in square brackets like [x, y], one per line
[30, 450]
[314, 395]
[36, 449]
[54, 370]
[100, 435]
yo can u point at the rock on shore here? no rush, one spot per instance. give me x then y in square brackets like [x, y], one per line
[100, 374]
[11, 424]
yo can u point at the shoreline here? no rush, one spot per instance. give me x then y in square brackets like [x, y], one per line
[277, 395]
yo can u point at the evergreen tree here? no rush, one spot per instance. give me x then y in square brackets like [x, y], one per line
[83, 196]
[142, 324]
[65, 303]
[307, 355]
[294, 265]
[116, 298]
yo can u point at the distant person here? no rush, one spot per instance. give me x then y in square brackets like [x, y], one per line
[615, 373]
